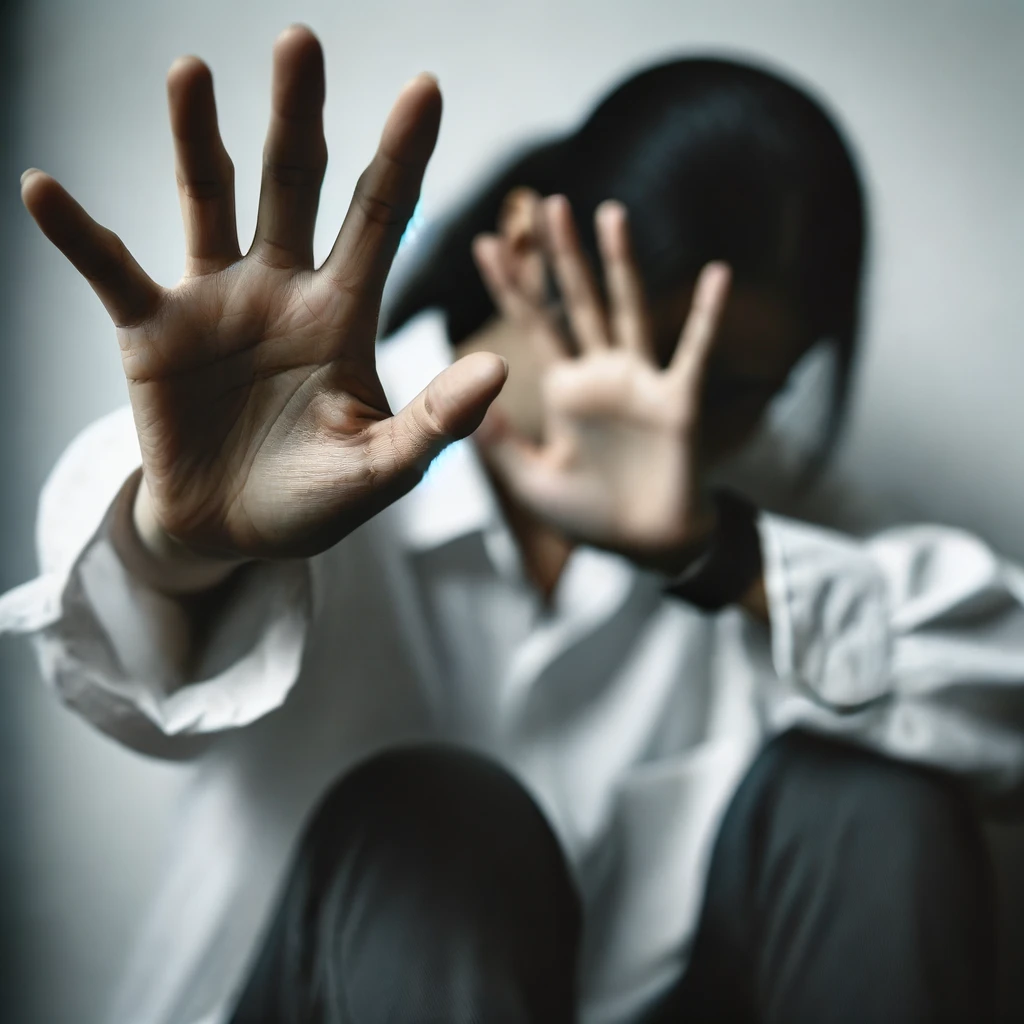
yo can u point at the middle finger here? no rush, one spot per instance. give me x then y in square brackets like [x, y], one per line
[295, 154]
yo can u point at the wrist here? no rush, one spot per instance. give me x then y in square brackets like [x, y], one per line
[692, 549]
[155, 557]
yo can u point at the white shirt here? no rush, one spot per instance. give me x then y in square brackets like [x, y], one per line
[629, 716]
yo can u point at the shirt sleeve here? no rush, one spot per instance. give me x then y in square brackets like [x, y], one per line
[122, 654]
[911, 642]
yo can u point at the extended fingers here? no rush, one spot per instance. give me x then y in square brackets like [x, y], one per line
[701, 328]
[204, 172]
[387, 192]
[295, 152]
[574, 277]
[627, 306]
[128, 293]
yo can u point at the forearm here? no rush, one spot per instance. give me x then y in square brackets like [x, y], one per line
[911, 642]
[166, 651]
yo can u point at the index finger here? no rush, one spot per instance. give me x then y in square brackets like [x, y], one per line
[386, 192]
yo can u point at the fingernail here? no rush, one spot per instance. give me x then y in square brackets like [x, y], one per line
[25, 175]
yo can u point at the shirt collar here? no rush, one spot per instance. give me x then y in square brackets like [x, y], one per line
[454, 498]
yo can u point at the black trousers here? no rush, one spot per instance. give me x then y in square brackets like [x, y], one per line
[429, 888]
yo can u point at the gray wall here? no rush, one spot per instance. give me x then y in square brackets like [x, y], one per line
[930, 92]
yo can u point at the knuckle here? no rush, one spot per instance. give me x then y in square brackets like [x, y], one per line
[201, 190]
[273, 254]
[348, 286]
[392, 458]
[377, 453]
[304, 174]
[376, 208]
[428, 420]
[110, 259]
[387, 190]
[214, 180]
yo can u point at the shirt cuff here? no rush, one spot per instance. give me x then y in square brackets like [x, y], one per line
[829, 610]
[114, 648]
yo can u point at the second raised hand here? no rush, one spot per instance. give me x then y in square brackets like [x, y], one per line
[619, 463]
[263, 426]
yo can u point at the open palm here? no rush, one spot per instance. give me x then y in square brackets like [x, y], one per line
[263, 425]
[618, 465]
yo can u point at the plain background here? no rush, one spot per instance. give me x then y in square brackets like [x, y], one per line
[929, 91]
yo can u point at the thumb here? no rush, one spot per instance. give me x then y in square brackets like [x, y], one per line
[450, 407]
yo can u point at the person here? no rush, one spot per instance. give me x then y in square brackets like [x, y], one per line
[548, 727]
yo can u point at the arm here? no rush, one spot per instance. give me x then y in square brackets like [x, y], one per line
[160, 673]
[619, 466]
[911, 642]
[261, 430]
[150, 554]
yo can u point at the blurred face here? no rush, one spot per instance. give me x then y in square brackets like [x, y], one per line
[760, 341]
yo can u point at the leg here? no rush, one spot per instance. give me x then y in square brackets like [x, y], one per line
[843, 887]
[429, 888]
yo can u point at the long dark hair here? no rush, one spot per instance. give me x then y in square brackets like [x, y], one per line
[714, 159]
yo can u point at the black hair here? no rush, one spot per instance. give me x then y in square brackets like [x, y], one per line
[714, 159]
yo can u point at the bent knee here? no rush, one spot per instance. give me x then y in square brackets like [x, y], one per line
[437, 799]
[915, 818]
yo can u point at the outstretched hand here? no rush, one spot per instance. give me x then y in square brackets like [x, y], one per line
[263, 425]
[618, 466]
